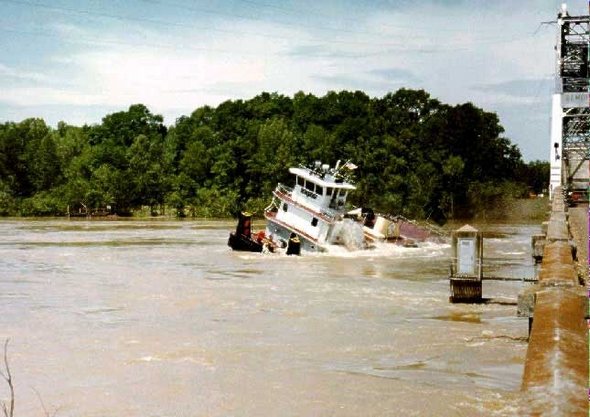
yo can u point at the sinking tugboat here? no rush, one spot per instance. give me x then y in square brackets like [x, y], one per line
[314, 208]
[311, 216]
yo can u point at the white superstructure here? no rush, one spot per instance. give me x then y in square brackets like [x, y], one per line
[313, 207]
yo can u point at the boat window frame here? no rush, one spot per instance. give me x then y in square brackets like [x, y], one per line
[319, 189]
[300, 181]
[314, 221]
[310, 186]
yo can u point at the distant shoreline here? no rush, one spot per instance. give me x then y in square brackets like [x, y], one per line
[513, 210]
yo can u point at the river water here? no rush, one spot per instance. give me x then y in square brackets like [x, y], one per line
[161, 318]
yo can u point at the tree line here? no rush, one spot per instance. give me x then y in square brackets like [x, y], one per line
[415, 155]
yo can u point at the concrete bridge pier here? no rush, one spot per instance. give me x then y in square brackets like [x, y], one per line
[555, 379]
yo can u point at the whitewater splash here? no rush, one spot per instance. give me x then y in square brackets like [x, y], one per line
[388, 250]
[378, 250]
[349, 234]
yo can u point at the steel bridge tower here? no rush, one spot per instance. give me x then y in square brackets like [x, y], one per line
[570, 113]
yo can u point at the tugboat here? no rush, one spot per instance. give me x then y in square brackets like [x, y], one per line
[314, 209]
[311, 215]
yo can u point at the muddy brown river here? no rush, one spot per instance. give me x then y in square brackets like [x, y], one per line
[161, 318]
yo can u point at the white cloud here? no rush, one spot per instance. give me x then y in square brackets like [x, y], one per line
[180, 77]
[123, 75]
[14, 73]
[39, 96]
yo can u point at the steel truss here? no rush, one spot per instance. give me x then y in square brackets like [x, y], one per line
[573, 82]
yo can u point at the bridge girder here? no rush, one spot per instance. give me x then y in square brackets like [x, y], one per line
[570, 136]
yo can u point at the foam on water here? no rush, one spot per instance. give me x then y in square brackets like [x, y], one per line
[392, 250]
[380, 249]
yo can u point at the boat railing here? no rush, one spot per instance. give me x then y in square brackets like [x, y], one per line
[284, 189]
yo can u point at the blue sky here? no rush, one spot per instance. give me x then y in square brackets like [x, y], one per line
[80, 60]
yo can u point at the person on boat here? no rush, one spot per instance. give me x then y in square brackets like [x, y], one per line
[294, 245]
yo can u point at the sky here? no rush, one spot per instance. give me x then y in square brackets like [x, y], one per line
[79, 60]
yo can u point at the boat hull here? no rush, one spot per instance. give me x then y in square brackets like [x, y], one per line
[345, 233]
[243, 243]
[280, 234]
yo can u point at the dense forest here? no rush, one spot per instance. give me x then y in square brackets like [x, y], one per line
[416, 156]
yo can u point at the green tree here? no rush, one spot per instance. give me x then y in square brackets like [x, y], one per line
[121, 128]
[28, 157]
[275, 151]
[43, 163]
[147, 174]
[416, 156]
[537, 176]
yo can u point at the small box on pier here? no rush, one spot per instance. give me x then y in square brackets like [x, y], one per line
[466, 265]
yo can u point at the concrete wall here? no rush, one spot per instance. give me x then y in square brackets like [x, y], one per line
[555, 380]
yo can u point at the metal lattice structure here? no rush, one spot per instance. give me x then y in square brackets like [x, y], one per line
[570, 127]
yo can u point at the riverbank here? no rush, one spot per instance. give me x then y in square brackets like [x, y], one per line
[517, 210]
[509, 211]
